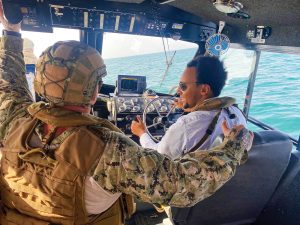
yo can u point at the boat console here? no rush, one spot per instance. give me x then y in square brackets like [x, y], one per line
[131, 98]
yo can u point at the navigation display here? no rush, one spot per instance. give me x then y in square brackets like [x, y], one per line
[130, 84]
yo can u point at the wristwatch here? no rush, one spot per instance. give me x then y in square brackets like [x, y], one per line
[11, 33]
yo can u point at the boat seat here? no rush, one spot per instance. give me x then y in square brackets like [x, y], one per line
[284, 206]
[242, 199]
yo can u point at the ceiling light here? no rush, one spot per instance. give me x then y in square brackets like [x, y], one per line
[228, 6]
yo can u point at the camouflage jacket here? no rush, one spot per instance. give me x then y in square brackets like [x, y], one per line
[125, 166]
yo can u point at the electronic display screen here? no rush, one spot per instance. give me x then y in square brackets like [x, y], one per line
[129, 84]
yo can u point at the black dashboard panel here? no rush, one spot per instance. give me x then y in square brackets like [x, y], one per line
[36, 17]
[143, 19]
[83, 18]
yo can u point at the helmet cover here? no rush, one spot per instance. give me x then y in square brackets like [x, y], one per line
[68, 72]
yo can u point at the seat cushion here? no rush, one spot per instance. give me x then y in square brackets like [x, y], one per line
[243, 198]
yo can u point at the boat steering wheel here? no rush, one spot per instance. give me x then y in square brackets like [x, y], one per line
[162, 120]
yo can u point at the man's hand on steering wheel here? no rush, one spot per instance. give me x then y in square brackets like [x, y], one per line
[138, 127]
[178, 103]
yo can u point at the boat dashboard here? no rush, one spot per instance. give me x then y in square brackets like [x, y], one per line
[131, 98]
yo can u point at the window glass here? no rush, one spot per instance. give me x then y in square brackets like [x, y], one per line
[276, 94]
[43, 40]
[144, 56]
[36, 42]
[238, 64]
[275, 99]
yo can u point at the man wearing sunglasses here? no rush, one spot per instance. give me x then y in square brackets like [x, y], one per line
[200, 85]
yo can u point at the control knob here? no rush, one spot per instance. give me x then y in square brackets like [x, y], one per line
[151, 108]
[136, 108]
[121, 108]
[163, 108]
[128, 103]
[134, 100]
[121, 100]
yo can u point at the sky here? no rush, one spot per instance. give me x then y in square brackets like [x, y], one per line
[114, 45]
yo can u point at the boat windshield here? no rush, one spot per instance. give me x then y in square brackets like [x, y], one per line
[147, 56]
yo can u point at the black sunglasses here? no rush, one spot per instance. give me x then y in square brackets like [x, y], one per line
[183, 85]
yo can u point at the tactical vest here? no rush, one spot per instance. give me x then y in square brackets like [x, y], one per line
[40, 187]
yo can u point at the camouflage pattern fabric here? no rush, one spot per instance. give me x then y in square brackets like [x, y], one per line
[213, 104]
[125, 166]
[68, 72]
[152, 177]
[14, 91]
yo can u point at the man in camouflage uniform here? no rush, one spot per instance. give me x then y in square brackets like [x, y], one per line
[61, 165]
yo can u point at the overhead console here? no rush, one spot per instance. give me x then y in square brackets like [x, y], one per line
[123, 22]
[83, 18]
[107, 16]
[36, 17]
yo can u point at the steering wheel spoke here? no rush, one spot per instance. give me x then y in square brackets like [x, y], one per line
[171, 110]
[165, 128]
[156, 110]
[153, 125]
[162, 120]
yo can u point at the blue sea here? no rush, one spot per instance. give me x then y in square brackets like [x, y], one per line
[276, 98]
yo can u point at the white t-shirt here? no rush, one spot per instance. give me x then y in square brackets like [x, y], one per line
[97, 200]
[188, 131]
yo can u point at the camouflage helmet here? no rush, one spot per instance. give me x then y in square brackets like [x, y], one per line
[68, 72]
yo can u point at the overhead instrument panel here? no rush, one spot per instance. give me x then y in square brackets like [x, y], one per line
[36, 18]
[74, 17]
[155, 27]
[108, 16]
[123, 22]
[30, 16]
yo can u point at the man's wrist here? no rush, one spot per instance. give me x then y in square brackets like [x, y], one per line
[141, 134]
[11, 41]
[11, 33]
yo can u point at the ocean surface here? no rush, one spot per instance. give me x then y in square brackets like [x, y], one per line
[276, 98]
